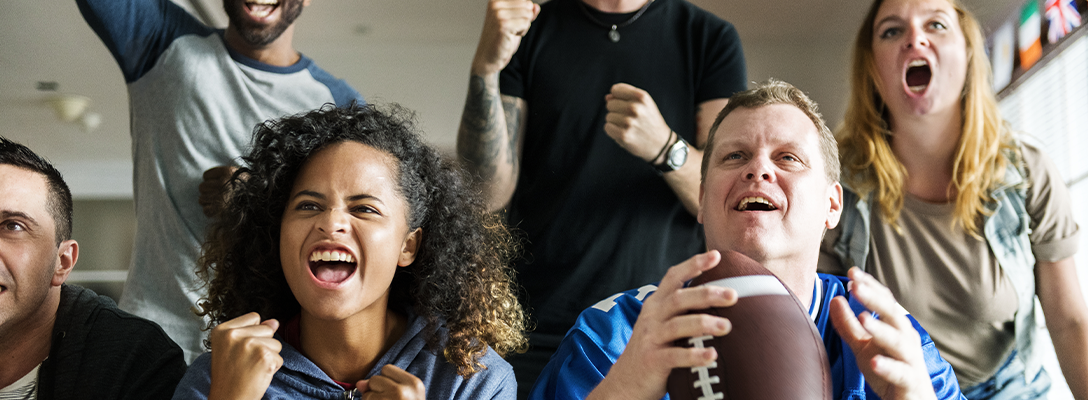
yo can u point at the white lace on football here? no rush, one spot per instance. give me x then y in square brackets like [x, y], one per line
[705, 380]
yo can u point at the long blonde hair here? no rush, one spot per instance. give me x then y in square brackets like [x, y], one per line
[870, 167]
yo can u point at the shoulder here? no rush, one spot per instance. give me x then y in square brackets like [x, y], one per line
[696, 16]
[342, 92]
[83, 310]
[1035, 164]
[495, 381]
[197, 381]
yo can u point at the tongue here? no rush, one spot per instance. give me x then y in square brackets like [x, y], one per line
[333, 272]
[918, 76]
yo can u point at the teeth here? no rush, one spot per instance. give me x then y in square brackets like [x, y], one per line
[917, 89]
[918, 63]
[331, 256]
[260, 13]
[265, 2]
[748, 200]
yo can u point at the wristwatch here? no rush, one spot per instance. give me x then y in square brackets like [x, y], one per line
[675, 156]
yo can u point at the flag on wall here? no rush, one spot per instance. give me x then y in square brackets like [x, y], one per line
[1002, 55]
[1063, 17]
[1031, 48]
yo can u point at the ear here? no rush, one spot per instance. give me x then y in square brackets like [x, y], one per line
[67, 254]
[410, 247]
[699, 215]
[834, 194]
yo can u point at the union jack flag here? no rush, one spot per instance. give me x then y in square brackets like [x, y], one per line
[1063, 17]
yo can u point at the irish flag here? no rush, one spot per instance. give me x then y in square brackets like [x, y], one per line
[1031, 48]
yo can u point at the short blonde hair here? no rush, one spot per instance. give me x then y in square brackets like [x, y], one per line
[870, 167]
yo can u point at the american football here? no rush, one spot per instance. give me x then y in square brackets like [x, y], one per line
[773, 352]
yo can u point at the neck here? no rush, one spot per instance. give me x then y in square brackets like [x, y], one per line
[26, 345]
[348, 349]
[280, 53]
[926, 146]
[616, 6]
[799, 280]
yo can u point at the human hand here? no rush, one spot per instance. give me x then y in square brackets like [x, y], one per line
[888, 350]
[504, 25]
[245, 356]
[213, 190]
[392, 383]
[635, 122]
[642, 371]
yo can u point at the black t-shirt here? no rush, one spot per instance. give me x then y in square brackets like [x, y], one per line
[599, 220]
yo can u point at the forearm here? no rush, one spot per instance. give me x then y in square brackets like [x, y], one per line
[685, 180]
[1060, 294]
[486, 139]
[1071, 340]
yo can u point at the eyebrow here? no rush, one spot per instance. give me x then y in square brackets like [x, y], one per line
[896, 18]
[320, 196]
[5, 214]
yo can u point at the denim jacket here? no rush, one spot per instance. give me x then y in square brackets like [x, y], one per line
[1006, 230]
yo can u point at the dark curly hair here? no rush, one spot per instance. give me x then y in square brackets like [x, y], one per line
[461, 279]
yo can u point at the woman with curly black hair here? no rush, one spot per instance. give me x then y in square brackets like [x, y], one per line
[390, 277]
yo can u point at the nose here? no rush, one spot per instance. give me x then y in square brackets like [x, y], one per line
[916, 37]
[760, 169]
[334, 220]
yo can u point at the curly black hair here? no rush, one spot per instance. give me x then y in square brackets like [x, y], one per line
[461, 279]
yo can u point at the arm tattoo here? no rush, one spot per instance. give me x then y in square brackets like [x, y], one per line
[479, 138]
[514, 129]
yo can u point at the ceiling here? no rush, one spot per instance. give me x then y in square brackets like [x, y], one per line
[415, 52]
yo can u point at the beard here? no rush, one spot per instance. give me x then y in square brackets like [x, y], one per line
[257, 34]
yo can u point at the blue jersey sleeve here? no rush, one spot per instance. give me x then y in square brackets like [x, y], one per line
[945, 384]
[138, 31]
[591, 347]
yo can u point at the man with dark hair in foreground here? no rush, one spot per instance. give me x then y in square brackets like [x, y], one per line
[57, 340]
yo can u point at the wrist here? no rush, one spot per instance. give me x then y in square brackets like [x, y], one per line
[662, 154]
[674, 155]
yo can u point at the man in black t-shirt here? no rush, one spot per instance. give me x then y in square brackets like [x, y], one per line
[585, 119]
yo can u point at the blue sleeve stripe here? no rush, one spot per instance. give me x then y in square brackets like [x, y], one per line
[138, 32]
[342, 93]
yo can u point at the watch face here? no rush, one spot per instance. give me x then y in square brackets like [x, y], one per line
[678, 155]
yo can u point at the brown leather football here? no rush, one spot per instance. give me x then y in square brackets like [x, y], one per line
[773, 351]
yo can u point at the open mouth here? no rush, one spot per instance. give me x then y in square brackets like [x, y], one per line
[918, 75]
[332, 266]
[261, 8]
[755, 204]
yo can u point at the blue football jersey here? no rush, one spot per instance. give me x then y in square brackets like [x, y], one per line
[602, 331]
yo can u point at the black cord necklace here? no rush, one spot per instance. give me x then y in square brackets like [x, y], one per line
[613, 34]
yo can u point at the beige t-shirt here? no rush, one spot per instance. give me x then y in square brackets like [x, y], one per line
[951, 282]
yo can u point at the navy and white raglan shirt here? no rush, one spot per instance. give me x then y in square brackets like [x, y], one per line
[194, 104]
[603, 330]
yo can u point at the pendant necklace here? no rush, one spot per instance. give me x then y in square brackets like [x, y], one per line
[613, 34]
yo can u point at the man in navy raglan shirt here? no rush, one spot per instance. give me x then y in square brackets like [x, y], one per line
[770, 189]
[195, 94]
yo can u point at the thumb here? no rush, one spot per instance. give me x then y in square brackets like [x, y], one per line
[536, 11]
[272, 323]
[363, 385]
